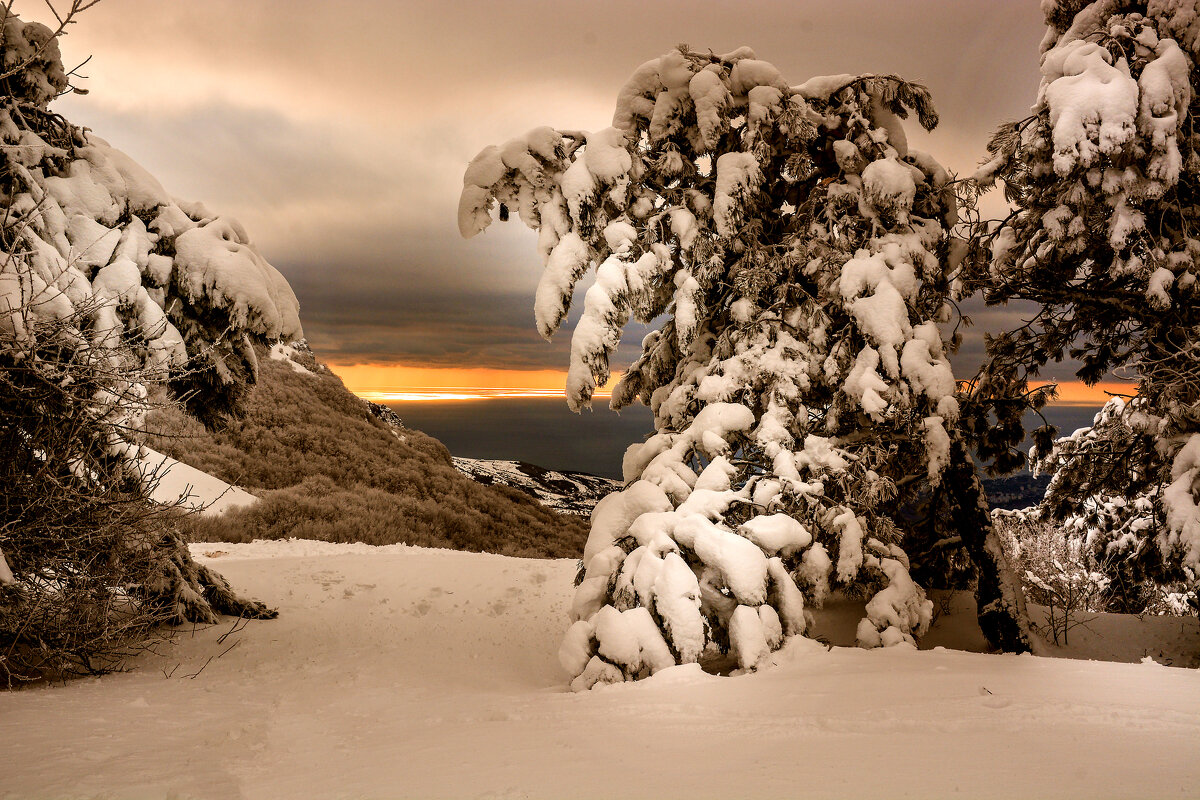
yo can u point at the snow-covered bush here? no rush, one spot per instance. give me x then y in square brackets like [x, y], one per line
[107, 287]
[796, 252]
[89, 567]
[1110, 492]
[1104, 176]
[1059, 571]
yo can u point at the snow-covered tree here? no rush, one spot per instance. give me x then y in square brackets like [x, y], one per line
[1105, 237]
[1111, 496]
[797, 253]
[107, 286]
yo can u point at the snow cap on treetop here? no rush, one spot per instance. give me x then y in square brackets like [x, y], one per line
[31, 49]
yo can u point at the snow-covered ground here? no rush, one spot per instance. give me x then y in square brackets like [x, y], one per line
[405, 672]
[176, 483]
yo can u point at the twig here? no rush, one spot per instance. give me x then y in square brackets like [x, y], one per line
[195, 674]
[238, 624]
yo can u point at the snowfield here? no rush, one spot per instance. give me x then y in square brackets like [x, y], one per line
[406, 672]
[176, 483]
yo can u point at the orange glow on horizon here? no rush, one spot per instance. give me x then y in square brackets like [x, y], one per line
[393, 383]
[1075, 393]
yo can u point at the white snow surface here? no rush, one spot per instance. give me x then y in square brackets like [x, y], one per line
[405, 672]
[177, 483]
[281, 351]
[1093, 103]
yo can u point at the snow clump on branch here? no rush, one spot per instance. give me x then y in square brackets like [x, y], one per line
[96, 233]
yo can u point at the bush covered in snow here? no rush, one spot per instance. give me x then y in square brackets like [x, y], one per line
[1058, 572]
[89, 568]
[1108, 494]
[799, 253]
[1105, 176]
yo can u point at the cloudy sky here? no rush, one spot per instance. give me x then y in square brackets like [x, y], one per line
[338, 132]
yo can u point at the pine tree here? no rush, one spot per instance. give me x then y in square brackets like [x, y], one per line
[798, 254]
[1104, 177]
[108, 287]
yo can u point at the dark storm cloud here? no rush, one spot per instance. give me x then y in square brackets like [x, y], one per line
[439, 329]
[338, 133]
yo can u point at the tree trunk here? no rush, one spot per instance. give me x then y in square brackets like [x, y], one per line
[1001, 601]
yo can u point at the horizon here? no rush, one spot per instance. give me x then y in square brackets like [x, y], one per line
[396, 384]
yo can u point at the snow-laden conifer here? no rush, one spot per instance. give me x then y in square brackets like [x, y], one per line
[1104, 176]
[796, 254]
[87, 227]
[108, 286]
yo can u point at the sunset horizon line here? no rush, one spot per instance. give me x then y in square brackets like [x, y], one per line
[388, 383]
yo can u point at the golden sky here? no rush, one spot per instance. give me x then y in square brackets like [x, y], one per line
[395, 383]
[387, 383]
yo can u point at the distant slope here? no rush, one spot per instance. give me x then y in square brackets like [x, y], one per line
[565, 491]
[1016, 491]
[573, 492]
[328, 468]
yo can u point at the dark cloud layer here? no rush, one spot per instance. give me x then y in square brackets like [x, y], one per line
[338, 132]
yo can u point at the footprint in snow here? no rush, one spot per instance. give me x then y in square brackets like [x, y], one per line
[992, 700]
[511, 793]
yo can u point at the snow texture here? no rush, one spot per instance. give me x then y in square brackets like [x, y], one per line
[386, 650]
[175, 483]
[1093, 103]
[6, 574]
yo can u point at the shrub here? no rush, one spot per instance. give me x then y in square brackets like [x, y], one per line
[328, 469]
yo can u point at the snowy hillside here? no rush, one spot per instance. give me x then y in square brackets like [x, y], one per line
[406, 672]
[176, 483]
[565, 491]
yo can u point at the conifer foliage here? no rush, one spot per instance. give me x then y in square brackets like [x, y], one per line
[1105, 178]
[108, 287]
[797, 254]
